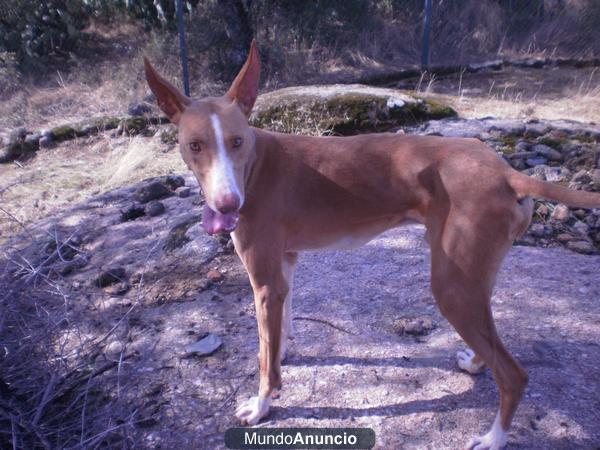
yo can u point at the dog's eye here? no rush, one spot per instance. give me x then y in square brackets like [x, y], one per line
[195, 146]
[237, 142]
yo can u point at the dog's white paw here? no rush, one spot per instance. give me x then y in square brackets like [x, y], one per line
[494, 439]
[251, 411]
[465, 360]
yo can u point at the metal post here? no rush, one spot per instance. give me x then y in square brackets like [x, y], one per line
[183, 48]
[426, 32]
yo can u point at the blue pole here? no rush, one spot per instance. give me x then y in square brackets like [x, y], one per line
[183, 48]
[426, 32]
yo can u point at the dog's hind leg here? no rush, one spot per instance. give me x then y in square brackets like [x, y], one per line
[287, 333]
[464, 266]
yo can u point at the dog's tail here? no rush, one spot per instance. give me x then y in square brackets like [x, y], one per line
[529, 186]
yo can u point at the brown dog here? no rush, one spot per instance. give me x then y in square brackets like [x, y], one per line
[280, 194]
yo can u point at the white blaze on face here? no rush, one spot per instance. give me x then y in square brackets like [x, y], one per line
[221, 177]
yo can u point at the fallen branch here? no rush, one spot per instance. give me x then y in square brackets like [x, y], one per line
[326, 322]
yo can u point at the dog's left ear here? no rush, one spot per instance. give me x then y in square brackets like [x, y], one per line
[244, 89]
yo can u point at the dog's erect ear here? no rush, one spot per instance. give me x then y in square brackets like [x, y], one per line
[244, 89]
[170, 100]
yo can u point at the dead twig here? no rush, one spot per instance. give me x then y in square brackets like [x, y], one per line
[326, 322]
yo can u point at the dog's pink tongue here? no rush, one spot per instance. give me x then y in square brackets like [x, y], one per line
[215, 222]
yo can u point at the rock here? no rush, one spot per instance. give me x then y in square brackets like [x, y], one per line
[152, 191]
[595, 176]
[522, 155]
[532, 162]
[581, 177]
[547, 152]
[561, 213]
[543, 210]
[119, 288]
[419, 326]
[342, 109]
[538, 230]
[564, 237]
[580, 228]
[63, 132]
[111, 276]
[205, 346]
[584, 247]
[522, 146]
[138, 109]
[183, 192]
[175, 181]
[526, 240]
[132, 212]
[114, 347]
[32, 142]
[535, 129]
[489, 65]
[154, 208]
[214, 275]
[45, 142]
[133, 125]
[46, 132]
[168, 135]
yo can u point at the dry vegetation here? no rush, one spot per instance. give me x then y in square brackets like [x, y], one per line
[104, 75]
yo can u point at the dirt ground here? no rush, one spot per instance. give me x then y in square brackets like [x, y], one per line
[347, 365]
[407, 389]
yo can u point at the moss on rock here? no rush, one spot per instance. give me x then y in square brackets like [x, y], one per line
[341, 109]
[63, 133]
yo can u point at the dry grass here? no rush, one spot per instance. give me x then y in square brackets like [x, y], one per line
[552, 94]
[77, 169]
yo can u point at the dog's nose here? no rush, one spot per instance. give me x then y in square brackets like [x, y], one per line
[227, 203]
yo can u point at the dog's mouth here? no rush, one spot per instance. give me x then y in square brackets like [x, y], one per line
[216, 222]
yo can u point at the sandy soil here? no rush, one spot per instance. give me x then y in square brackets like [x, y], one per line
[347, 368]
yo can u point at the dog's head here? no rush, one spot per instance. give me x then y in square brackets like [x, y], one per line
[215, 140]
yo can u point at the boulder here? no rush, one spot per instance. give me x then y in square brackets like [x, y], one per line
[342, 109]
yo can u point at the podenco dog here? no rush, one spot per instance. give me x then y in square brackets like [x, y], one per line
[279, 194]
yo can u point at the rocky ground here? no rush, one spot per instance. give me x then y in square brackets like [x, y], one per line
[140, 281]
[104, 299]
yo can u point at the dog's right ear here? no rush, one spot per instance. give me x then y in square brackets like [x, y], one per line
[170, 100]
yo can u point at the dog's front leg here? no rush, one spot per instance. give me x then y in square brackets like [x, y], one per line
[270, 289]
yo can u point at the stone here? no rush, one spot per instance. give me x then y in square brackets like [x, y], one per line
[548, 152]
[543, 210]
[152, 191]
[114, 347]
[183, 192]
[154, 208]
[45, 142]
[415, 326]
[175, 181]
[110, 276]
[538, 230]
[32, 142]
[119, 288]
[214, 275]
[532, 162]
[205, 346]
[343, 109]
[580, 228]
[132, 212]
[564, 237]
[561, 213]
[581, 177]
[138, 109]
[522, 146]
[584, 247]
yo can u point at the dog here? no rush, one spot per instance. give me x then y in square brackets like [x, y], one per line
[279, 194]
